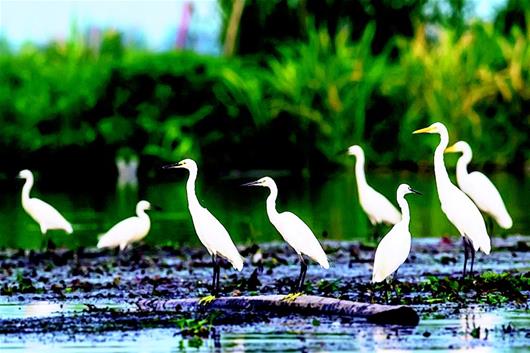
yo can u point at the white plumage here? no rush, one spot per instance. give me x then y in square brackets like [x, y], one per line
[479, 188]
[43, 213]
[293, 230]
[394, 248]
[456, 205]
[129, 230]
[375, 205]
[210, 231]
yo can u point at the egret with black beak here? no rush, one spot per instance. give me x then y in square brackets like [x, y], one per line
[295, 232]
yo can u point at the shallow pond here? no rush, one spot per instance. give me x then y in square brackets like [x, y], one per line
[472, 330]
[331, 208]
[63, 282]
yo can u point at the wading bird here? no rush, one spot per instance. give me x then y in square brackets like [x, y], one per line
[210, 231]
[456, 205]
[394, 248]
[479, 188]
[375, 205]
[295, 232]
[43, 213]
[129, 230]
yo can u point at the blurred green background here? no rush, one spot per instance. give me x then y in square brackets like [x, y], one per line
[300, 81]
[297, 81]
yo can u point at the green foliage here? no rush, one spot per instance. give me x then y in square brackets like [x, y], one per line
[312, 97]
[194, 327]
[476, 83]
[327, 85]
[491, 288]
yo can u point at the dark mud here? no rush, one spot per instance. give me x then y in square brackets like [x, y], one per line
[93, 293]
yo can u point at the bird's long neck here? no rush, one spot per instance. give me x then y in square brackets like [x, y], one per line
[140, 212]
[26, 189]
[461, 166]
[271, 202]
[442, 178]
[405, 212]
[190, 189]
[359, 171]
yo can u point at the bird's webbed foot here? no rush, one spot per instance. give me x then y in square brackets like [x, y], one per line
[206, 300]
[291, 297]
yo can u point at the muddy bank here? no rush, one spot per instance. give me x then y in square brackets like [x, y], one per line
[431, 275]
[82, 284]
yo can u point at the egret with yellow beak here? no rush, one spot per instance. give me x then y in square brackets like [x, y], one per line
[479, 187]
[456, 205]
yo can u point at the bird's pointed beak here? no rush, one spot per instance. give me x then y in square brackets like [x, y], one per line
[415, 191]
[426, 130]
[172, 166]
[342, 152]
[252, 183]
[451, 149]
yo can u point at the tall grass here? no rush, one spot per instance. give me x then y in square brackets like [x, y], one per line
[295, 108]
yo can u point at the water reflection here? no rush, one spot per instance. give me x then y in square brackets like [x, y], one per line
[331, 209]
[299, 336]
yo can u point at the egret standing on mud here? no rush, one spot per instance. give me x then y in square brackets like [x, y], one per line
[394, 248]
[43, 213]
[294, 231]
[479, 188]
[129, 230]
[375, 205]
[210, 231]
[456, 205]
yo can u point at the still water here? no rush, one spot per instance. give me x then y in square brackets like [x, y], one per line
[297, 335]
[331, 208]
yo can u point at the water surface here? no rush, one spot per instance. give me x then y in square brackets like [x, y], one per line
[331, 208]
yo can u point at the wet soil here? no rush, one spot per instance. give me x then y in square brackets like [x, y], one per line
[90, 280]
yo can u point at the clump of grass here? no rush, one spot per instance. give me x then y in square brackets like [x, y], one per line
[489, 288]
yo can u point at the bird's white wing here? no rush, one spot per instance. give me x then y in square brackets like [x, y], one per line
[215, 237]
[486, 196]
[47, 216]
[297, 234]
[391, 252]
[123, 233]
[466, 217]
[379, 208]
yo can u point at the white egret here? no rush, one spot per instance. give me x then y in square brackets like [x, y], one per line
[129, 230]
[479, 188]
[394, 248]
[210, 231]
[375, 205]
[294, 231]
[43, 213]
[456, 205]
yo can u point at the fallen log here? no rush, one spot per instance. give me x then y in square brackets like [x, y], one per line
[303, 305]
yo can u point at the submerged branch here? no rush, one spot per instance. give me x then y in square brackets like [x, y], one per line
[304, 305]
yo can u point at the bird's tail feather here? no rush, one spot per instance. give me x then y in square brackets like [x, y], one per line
[238, 263]
[505, 221]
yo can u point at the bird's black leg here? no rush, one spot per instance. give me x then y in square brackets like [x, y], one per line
[45, 243]
[472, 257]
[303, 270]
[490, 225]
[465, 257]
[214, 263]
[217, 277]
[376, 230]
